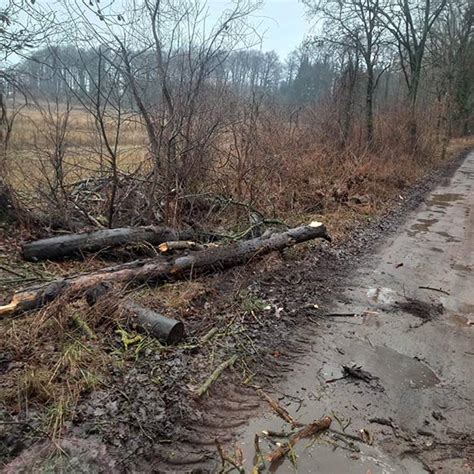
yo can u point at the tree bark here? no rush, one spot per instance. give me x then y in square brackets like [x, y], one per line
[369, 105]
[56, 248]
[158, 270]
[166, 330]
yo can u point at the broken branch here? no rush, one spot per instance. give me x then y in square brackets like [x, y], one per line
[179, 245]
[306, 432]
[214, 376]
[279, 410]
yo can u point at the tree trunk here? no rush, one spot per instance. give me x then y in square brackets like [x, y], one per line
[159, 270]
[56, 248]
[369, 106]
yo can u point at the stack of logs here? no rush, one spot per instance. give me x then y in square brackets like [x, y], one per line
[178, 257]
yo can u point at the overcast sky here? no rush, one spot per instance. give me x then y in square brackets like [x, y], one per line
[283, 24]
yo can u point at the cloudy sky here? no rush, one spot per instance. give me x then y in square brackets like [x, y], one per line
[283, 23]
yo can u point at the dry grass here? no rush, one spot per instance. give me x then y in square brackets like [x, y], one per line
[34, 138]
[282, 170]
[56, 362]
[66, 350]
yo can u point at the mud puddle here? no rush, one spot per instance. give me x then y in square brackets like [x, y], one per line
[394, 369]
[331, 453]
[462, 321]
[444, 200]
[423, 225]
[326, 454]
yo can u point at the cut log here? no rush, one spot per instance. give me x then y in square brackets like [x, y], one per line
[158, 271]
[56, 248]
[165, 329]
[179, 245]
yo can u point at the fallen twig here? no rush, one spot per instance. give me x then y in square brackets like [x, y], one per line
[340, 315]
[209, 335]
[236, 463]
[13, 272]
[83, 326]
[306, 432]
[279, 410]
[339, 434]
[215, 375]
[440, 290]
[258, 460]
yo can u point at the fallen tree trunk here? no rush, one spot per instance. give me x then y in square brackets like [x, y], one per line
[157, 270]
[55, 248]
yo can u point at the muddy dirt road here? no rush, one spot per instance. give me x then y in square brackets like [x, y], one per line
[406, 316]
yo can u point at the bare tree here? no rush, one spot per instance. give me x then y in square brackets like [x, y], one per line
[410, 23]
[22, 26]
[100, 90]
[451, 63]
[168, 55]
[356, 24]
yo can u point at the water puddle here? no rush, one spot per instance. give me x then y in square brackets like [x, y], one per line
[449, 238]
[444, 200]
[321, 455]
[423, 225]
[462, 268]
[401, 370]
[394, 369]
[461, 320]
[412, 464]
[304, 397]
[467, 309]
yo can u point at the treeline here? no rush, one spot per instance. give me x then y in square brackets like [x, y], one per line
[65, 72]
[56, 72]
[370, 54]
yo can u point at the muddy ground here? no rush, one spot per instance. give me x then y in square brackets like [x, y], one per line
[415, 343]
[405, 316]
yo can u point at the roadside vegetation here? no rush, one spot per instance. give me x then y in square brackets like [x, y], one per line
[115, 116]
